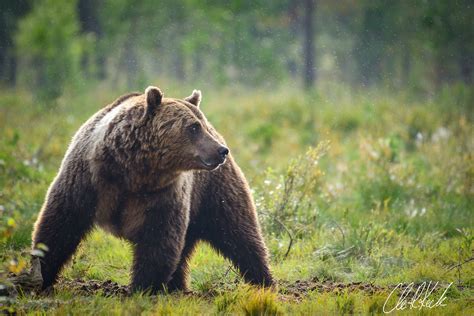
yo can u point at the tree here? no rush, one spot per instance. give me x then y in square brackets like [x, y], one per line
[49, 47]
[450, 31]
[91, 25]
[309, 75]
[10, 12]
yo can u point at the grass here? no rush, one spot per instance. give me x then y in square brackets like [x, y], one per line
[386, 197]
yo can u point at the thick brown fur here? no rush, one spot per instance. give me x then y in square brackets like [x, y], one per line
[154, 171]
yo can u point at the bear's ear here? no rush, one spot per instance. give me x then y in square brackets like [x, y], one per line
[194, 98]
[153, 97]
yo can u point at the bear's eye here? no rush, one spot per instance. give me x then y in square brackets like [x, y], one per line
[195, 128]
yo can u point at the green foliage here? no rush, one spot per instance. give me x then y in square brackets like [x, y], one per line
[418, 46]
[345, 304]
[50, 48]
[290, 197]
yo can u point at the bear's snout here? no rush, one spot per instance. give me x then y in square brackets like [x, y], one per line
[223, 152]
[211, 158]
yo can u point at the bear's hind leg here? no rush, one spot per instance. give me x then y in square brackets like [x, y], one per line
[66, 216]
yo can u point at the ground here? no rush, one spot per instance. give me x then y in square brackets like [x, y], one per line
[356, 192]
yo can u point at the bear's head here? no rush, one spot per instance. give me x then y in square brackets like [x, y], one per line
[174, 135]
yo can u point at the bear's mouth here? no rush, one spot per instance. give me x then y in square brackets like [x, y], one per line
[210, 165]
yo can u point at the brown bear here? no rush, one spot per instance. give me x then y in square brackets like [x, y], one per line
[152, 170]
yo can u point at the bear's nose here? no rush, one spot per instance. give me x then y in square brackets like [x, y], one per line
[223, 151]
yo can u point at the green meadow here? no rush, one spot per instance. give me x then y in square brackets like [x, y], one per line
[357, 191]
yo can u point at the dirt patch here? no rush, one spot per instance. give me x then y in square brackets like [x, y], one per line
[92, 287]
[296, 289]
[304, 286]
[299, 289]
[288, 291]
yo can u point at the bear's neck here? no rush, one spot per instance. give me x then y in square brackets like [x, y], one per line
[132, 179]
[150, 182]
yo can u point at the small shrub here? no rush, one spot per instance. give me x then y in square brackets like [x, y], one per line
[288, 200]
[345, 304]
[260, 302]
[225, 302]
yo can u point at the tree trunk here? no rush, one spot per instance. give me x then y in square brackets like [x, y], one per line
[406, 66]
[3, 63]
[198, 64]
[179, 65]
[89, 20]
[8, 65]
[440, 72]
[11, 71]
[466, 65]
[10, 12]
[131, 66]
[309, 75]
[131, 58]
[293, 16]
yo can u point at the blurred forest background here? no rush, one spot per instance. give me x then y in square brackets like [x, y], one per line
[352, 121]
[49, 44]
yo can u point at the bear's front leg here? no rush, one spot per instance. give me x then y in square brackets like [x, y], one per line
[67, 215]
[231, 224]
[157, 248]
[180, 278]
[153, 266]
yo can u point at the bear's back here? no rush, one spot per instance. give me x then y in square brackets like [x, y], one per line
[86, 140]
